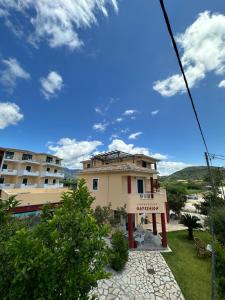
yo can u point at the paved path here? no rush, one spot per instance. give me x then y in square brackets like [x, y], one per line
[135, 283]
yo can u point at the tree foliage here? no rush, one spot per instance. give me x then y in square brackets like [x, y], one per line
[191, 222]
[119, 251]
[60, 258]
[176, 196]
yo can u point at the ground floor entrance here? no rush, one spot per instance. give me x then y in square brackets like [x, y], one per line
[140, 226]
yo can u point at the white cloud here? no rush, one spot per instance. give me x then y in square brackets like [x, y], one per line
[9, 114]
[203, 46]
[159, 156]
[55, 21]
[118, 144]
[130, 112]
[221, 84]
[118, 120]
[51, 84]
[154, 112]
[169, 167]
[100, 126]
[73, 152]
[103, 109]
[12, 72]
[135, 135]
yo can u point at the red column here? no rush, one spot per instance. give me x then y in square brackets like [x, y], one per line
[156, 185]
[167, 212]
[164, 237]
[130, 231]
[129, 184]
[154, 224]
[152, 187]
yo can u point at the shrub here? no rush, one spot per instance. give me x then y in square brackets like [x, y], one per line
[119, 251]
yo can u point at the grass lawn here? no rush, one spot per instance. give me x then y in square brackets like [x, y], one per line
[191, 272]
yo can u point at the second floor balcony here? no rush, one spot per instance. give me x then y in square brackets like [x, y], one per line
[146, 202]
[28, 173]
[52, 174]
[10, 172]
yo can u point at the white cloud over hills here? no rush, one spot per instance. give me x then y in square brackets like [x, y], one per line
[203, 50]
[56, 22]
[72, 151]
[9, 114]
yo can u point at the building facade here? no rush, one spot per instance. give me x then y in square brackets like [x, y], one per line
[129, 181]
[27, 169]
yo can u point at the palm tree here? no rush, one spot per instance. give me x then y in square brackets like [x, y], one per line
[191, 222]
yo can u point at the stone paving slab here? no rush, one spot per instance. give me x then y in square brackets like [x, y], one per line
[135, 283]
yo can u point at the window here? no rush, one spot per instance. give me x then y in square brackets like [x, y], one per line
[49, 159]
[88, 166]
[25, 181]
[28, 168]
[140, 186]
[2, 180]
[55, 171]
[54, 181]
[95, 184]
[46, 181]
[9, 155]
[57, 161]
[26, 156]
[48, 169]
[4, 167]
[144, 164]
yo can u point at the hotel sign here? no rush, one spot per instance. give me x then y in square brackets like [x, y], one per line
[153, 207]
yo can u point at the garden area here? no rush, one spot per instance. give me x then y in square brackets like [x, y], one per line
[191, 272]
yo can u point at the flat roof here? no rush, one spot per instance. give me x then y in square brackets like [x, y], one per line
[28, 151]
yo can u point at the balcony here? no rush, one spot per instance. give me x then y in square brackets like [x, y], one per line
[28, 173]
[26, 186]
[9, 172]
[7, 186]
[51, 186]
[52, 174]
[53, 163]
[144, 203]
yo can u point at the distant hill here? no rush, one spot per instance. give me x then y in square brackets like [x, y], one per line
[71, 173]
[190, 173]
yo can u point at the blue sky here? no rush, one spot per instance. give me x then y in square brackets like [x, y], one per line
[83, 77]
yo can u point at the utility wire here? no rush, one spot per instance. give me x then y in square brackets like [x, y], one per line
[207, 157]
[183, 73]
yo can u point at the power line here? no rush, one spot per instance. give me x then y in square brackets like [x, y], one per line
[183, 73]
[207, 157]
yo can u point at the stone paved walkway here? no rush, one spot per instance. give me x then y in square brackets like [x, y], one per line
[135, 283]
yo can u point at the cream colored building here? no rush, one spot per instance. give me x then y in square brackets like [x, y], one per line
[33, 177]
[129, 181]
[27, 169]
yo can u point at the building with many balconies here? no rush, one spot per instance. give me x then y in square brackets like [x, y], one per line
[129, 181]
[27, 169]
[33, 177]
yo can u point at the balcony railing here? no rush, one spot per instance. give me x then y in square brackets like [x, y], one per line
[146, 195]
[26, 186]
[51, 186]
[8, 172]
[7, 186]
[28, 173]
[52, 174]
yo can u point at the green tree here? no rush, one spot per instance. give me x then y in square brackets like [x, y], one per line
[176, 196]
[60, 258]
[119, 251]
[191, 222]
